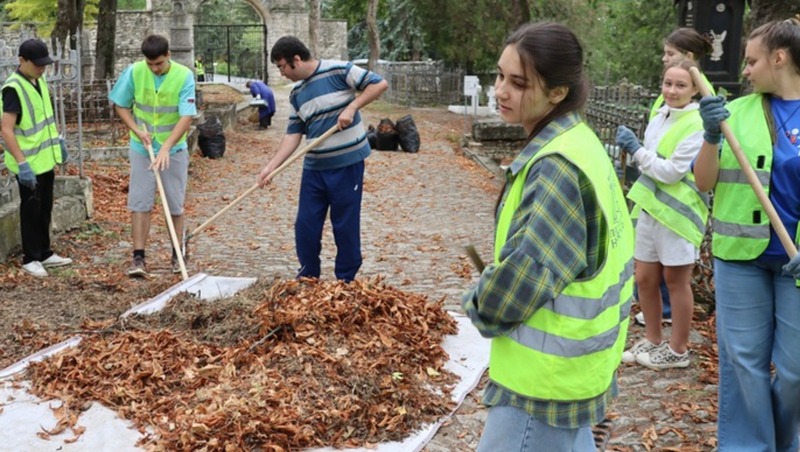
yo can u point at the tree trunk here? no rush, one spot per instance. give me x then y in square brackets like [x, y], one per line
[69, 19]
[314, 13]
[373, 35]
[763, 11]
[104, 47]
[521, 12]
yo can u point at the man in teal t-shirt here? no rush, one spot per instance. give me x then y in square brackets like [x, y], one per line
[155, 98]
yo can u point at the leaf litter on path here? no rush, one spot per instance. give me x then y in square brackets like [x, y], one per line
[289, 365]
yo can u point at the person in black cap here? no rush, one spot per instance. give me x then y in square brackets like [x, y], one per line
[32, 150]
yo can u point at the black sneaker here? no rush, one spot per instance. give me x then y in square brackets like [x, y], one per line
[176, 268]
[138, 269]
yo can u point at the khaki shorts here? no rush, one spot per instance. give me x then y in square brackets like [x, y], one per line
[657, 243]
[142, 190]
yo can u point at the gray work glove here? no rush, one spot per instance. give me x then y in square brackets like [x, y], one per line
[627, 140]
[64, 154]
[713, 112]
[793, 267]
[26, 176]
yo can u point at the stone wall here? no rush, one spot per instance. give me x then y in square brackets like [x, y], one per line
[416, 83]
[175, 20]
[73, 205]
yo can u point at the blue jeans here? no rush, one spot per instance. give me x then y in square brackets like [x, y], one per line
[340, 191]
[758, 323]
[512, 429]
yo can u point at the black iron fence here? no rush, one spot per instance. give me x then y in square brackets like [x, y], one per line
[234, 51]
[612, 106]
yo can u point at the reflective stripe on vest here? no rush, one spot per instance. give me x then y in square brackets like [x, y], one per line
[741, 229]
[36, 134]
[157, 111]
[678, 206]
[570, 348]
[660, 99]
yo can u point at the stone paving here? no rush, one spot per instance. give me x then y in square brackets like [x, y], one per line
[419, 211]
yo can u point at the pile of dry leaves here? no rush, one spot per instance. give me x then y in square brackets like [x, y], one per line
[291, 365]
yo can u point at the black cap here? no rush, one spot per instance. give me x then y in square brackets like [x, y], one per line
[36, 52]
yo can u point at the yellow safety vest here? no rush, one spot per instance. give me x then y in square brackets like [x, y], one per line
[36, 133]
[571, 347]
[157, 111]
[198, 66]
[741, 229]
[678, 206]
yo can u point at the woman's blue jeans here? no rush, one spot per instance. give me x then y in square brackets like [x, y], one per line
[510, 429]
[758, 323]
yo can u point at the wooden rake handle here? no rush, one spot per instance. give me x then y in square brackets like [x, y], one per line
[296, 155]
[752, 179]
[172, 235]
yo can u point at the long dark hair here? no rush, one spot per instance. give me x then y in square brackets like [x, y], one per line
[553, 52]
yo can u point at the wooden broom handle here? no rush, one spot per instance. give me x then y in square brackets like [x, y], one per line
[752, 179]
[296, 155]
[172, 235]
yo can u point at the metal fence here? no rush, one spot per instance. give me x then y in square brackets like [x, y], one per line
[612, 106]
[100, 126]
[233, 50]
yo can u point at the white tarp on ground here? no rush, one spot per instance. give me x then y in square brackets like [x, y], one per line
[23, 415]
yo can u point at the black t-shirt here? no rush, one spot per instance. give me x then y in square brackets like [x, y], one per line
[11, 102]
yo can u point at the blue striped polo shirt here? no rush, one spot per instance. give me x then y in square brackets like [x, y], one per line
[316, 104]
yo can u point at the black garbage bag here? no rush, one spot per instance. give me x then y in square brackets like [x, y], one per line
[372, 137]
[387, 136]
[212, 126]
[212, 147]
[211, 139]
[407, 134]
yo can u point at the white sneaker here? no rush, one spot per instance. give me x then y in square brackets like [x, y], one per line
[56, 261]
[663, 357]
[641, 347]
[639, 318]
[35, 268]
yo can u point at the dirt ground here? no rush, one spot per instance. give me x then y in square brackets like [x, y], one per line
[655, 411]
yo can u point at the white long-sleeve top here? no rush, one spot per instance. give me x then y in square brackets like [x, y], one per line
[679, 164]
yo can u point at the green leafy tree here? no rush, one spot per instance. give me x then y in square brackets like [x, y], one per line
[628, 41]
[45, 12]
[131, 5]
[402, 36]
[466, 34]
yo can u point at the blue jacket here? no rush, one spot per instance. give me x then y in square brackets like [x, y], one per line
[258, 87]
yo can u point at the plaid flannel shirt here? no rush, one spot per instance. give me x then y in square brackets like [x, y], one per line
[555, 237]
